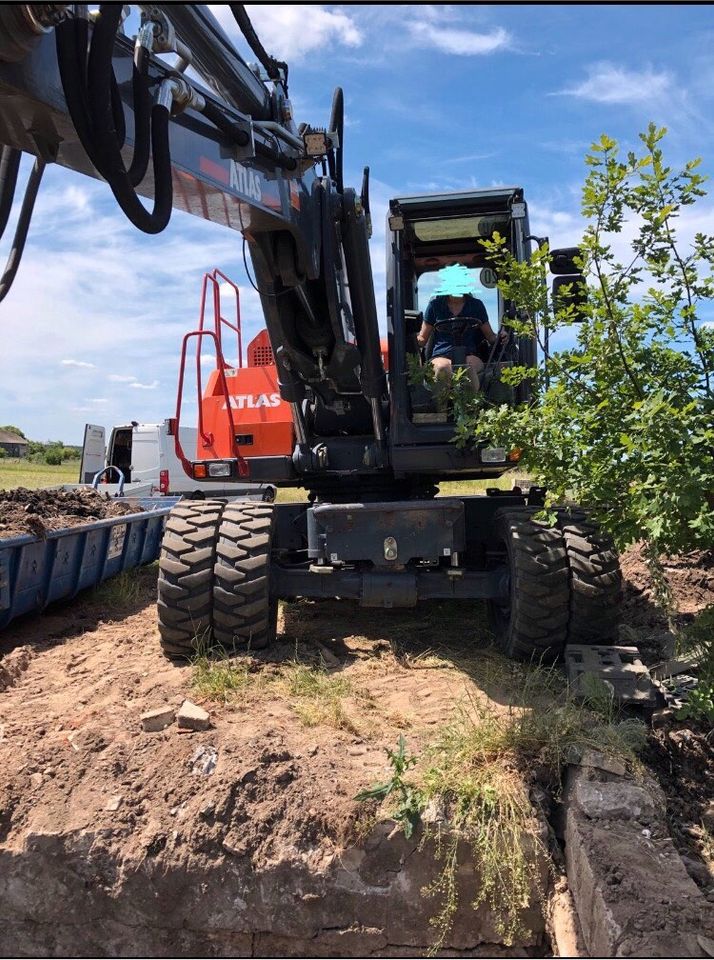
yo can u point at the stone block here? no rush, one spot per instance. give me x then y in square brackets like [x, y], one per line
[192, 717]
[154, 720]
[613, 800]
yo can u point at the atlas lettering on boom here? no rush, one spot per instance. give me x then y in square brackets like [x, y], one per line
[245, 181]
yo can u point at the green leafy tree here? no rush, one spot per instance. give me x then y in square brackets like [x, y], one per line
[622, 421]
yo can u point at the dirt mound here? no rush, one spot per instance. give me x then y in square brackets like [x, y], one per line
[690, 577]
[149, 854]
[39, 511]
[682, 758]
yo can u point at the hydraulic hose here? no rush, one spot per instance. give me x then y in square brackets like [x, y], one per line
[225, 125]
[142, 117]
[337, 124]
[9, 167]
[72, 36]
[95, 107]
[99, 81]
[271, 65]
[22, 228]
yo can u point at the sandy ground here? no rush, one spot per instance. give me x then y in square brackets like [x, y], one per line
[77, 680]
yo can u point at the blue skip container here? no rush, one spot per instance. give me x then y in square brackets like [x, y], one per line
[35, 571]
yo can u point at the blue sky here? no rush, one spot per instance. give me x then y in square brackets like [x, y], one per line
[437, 98]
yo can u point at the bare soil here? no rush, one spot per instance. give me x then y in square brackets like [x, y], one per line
[25, 511]
[75, 762]
[690, 578]
[74, 758]
[76, 687]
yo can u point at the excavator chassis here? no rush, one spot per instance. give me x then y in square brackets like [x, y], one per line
[224, 567]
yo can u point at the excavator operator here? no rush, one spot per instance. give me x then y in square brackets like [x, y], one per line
[459, 324]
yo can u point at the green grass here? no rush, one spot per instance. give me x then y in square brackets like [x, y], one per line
[220, 677]
[124, 589]
[291, 495]
[450, 488]
[477, 770]
[22, 473]
[465, 488]
[318, 697]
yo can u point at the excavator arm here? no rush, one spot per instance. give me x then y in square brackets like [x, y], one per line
[214, 137]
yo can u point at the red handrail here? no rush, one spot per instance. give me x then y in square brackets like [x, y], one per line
[216, 334]
[219, 321]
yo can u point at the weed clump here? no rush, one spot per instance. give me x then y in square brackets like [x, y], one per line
[478, 771]
[219, 677]
[320, 697]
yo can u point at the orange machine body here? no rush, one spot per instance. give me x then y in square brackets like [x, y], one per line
[262, 421]
[241, 414]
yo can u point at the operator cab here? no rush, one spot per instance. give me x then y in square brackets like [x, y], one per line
[426, 235]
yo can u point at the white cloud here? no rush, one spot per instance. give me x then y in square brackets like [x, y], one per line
[144, 386]
[469, 158]
[292, 31]
[610, 83]
[96, 400]
[426, 33]
[121, 378]
[78, 363]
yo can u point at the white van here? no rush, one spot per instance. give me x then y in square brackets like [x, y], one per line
[145, 454]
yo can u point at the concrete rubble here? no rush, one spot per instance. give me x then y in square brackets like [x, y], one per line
[618, 668]
[631, 889]
[192, 717]
[155, 720]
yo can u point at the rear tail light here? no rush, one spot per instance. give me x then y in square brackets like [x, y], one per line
[213, 469]
[163, 481]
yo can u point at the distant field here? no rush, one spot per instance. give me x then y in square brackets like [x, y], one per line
[20, 473]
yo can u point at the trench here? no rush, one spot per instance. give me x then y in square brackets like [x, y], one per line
[81, 895]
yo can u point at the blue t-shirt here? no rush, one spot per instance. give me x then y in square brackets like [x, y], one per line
[446, 336]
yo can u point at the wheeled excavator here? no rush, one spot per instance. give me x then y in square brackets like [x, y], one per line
[157, 101]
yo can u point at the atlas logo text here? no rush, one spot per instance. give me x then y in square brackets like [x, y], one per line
[251, 401]
[245, 181]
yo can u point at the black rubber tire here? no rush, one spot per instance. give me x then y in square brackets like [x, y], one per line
[185, 589]
[533, 624]
[595, 579]
[244, 613]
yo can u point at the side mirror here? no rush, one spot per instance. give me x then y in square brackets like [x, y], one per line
[570, 291]
[563, 261]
